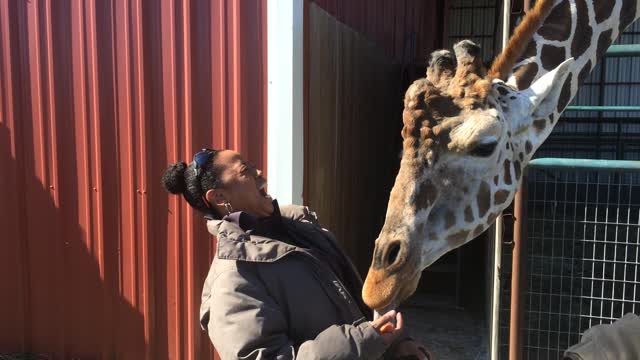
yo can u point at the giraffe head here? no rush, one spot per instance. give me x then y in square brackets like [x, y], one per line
[466, 138]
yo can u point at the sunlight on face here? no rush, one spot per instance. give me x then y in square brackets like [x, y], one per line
[243, 185]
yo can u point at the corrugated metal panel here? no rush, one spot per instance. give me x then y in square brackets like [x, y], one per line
[97, 97]
[391, 24]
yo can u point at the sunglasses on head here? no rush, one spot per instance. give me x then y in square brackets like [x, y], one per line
[200, 160]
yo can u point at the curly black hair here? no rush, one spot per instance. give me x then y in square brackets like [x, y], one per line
[183, 178]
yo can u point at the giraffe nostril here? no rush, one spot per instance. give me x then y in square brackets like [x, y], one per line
[392, 255]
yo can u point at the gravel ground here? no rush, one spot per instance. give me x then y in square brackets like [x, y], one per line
[450, 332]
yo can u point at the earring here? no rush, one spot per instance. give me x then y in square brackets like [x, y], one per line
[228, 207]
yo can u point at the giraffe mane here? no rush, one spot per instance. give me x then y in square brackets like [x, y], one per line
[503, 65]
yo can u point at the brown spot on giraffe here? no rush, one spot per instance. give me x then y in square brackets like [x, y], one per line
[627, 13]
[551, 56]
[556, 27]
[584, 73]
[500, 197]
[604, 41]
[583, 34]
[484, 199]
[426, 194]
[528, 147]
[449, 219]
[603, 10]
[496, 179]
[443, 106]
[532, 50]
[540, 124]
[565, 94]
[468, 214]
[478, 230]
[425, 132]
[432, 235]
[507, 172]
[517, 168]
[458, 238]
[525, 74]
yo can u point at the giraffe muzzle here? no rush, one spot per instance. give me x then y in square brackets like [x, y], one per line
[392, 276]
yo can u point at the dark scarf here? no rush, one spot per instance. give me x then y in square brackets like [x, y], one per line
[273, 227]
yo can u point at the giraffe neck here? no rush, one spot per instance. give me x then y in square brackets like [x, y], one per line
[582, 29]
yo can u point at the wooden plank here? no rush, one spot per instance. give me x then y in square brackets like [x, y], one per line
[354, 123]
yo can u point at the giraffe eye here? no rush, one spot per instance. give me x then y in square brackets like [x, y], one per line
[483, 150]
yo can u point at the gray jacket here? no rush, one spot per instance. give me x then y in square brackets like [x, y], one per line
[617, 341]
[266, 299]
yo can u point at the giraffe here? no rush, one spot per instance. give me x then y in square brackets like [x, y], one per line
[468, 133]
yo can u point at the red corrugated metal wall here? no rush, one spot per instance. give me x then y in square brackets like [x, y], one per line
[97, 97]
[389, 24]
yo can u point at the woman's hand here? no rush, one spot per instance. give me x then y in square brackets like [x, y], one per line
[386, 327]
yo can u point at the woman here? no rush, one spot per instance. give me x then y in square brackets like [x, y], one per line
[279, 286]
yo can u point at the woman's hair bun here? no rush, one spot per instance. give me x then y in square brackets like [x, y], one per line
[173, 178]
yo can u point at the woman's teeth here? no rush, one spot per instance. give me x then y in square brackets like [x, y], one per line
[263, 190]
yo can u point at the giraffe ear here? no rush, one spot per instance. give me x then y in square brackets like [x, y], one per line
[544, 93]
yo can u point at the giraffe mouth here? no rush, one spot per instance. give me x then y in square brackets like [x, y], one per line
[383, 292]
[384, 310]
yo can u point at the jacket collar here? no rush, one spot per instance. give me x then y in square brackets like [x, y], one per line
[270, 226]
[235, 244]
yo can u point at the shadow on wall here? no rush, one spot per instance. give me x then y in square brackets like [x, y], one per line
[96, 260]
[54, 300]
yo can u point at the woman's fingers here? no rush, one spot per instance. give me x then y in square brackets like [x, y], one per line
[399, 322]
[387, 328]
[389, 325]
[388, 317]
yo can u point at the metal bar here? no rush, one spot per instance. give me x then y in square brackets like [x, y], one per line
[584, 164]
[540, 283]
[623, 50]
[602, 108]
[601, 102]
[497, 232]
[494, 344]
[635, 277]
[517, 273]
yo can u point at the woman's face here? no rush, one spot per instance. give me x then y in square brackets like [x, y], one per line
[242, 186]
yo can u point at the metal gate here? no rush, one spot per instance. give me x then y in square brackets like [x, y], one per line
[580, 250]
[577, 235]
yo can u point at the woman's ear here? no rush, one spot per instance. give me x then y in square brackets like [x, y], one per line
[215, 196]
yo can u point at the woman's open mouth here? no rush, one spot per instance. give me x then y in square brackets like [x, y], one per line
[262, 188]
